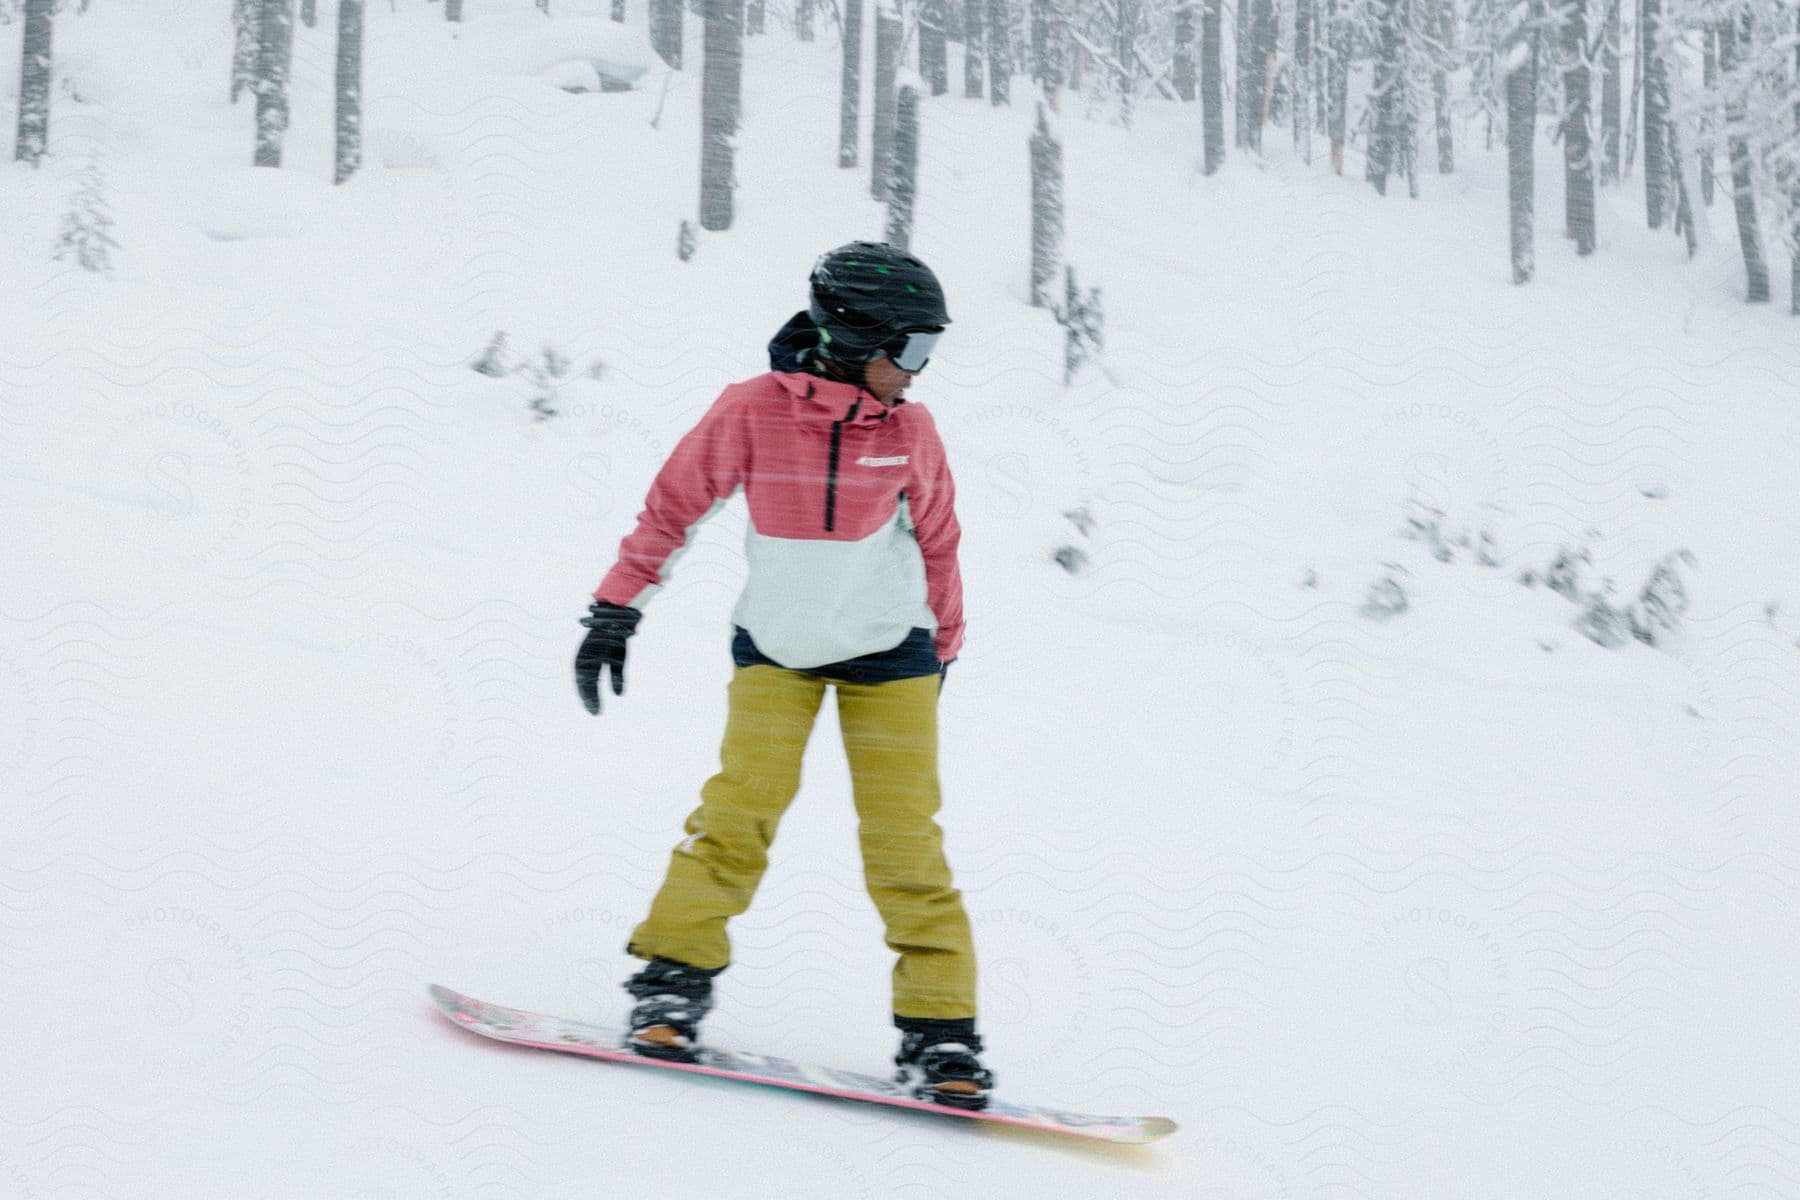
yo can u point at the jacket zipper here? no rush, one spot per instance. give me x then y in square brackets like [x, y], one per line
[831, 469]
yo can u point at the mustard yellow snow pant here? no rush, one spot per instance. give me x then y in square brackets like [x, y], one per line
[890, 738]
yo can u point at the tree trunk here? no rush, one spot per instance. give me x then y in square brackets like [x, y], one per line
[246, 22]
[850, 106]
[753, 18]
[1183, 68]
[1125, 47]
[1440, 85]
[1304, 21]
[934, 55]
[1046, 211]
[1243, 23]
[1756, 271]
[618, 11]
[1212, 85]
[1609, 95]
[348, 157]
[903, 180]
[1384, 96]
[1794, 196]
[275, 45]
[665, 30]
[972, 49]
[887, 71]
[721, 76]
[1578, 161]
[803, 19]
[1521, 128]
[1656, 108]
[34, 82]
[1709, 37]
[1337, 79]
[999, 27]
[309, 15]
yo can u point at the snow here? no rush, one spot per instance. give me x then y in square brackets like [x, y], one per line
[1451, 903]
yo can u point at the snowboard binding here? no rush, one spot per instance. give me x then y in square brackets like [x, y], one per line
[671, 997]
[940, 1066]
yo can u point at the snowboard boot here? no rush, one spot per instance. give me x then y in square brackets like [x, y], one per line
[671, 999]
[937, 1063]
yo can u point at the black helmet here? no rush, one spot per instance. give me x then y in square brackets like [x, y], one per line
[865, 295]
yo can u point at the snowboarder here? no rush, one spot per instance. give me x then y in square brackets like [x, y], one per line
[854, 586]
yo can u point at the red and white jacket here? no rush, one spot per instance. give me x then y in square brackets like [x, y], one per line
[852, 536]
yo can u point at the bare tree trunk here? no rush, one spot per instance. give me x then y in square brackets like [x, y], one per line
[1794, 196]
[850, 107]
[1756, 271]
[1212, 84]
[246, 22]
[1709, 37]
[1637, 87]
[972, 49]
[803, 19]
[1656, 109]
[618, 11]
[1304, 20]
[934, 62]
[1521, 131]
[665, 30]
[1337, 79]
[887, 70]
[1046, 211]
[34, 82]
[275, 45]
[1384, 96]
[309, 15]
[453, 10]
[1609, 95]
[1183, 68]
[753, 18]
[903, 178]
[1126, 49]
[1578, 161]
[1440, 85]
[348, 157]
[999, 26]
[721, 78]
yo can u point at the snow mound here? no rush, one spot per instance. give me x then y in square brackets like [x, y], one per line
[618, 55]
[261, 202]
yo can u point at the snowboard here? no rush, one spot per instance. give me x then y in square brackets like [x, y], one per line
[543, 1032]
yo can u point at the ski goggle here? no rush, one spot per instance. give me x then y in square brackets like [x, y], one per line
[911, 350]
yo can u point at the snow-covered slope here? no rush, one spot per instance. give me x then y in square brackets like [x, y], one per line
[1455, 902]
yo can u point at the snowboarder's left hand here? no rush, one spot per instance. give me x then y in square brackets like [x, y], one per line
[610, 626]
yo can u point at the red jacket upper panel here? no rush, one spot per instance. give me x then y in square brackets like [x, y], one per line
[852, 539]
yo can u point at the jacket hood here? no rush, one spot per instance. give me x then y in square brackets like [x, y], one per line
[791, 357]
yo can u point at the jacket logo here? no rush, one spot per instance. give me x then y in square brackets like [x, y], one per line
[869, 460]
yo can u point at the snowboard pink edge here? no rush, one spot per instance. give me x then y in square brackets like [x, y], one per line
[542, 1032]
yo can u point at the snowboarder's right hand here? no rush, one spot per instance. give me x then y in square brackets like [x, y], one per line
[610, 626]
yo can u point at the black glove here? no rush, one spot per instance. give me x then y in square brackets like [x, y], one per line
[609, 628]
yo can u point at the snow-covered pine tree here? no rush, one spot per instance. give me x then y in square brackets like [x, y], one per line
[86, 234]
[721, 75]
[34, 82]
[1046, 209]
[348, 155]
